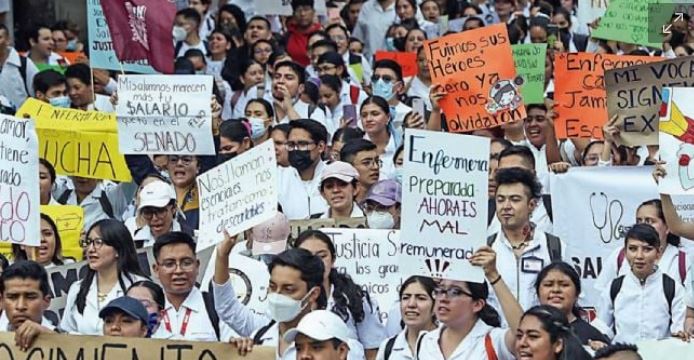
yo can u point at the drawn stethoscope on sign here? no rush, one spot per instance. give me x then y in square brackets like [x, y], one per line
[603, 211]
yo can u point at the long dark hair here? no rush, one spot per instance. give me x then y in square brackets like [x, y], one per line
[348, 295]
[671, 239]
[19, 254]
[480, 291]
[154, 289]
[557, 325]
[567, 270]
[428, 284]
[116, 235]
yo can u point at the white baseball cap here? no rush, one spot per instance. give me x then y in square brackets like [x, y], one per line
[156, 194]
[320, 325]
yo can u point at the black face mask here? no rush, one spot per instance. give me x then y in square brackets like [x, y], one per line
[300, 159]
[222, 158]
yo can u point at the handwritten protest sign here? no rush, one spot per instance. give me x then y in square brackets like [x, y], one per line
[19, 182]
[593, 209]
[238, 194]
[101, 53]
[530, 66]
[444, 204]
[78, 143]
[69, 219]
[634, 95]
[589, 10]
[165, 114]
[476, 69]
[58, 346]
[635, 21]
[579, 91]
[274, 7]
[299, 226]
[407, 60]
[677, 143]
[370, 258]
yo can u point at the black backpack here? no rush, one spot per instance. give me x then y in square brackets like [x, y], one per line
[208, 298]
[668, 290]
[553, 245]
[389, 347]
[258, 335]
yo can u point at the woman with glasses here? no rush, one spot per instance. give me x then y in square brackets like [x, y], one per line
[152, 298]
[470, 326]
[159, 212]
[113, 267]
[345, 298]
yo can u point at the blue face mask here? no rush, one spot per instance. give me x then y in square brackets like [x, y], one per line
[397, 174]
[152, 323]
[390, 44]
[383, 89]
[258, 128]
[72, 45]
[60, 101]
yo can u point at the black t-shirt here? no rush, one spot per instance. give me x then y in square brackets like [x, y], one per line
[586, 332]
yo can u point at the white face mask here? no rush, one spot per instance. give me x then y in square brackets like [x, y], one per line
[179, 33]
[282, 308]
[380, 220]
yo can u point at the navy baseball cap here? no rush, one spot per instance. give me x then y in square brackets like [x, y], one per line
[128, 305]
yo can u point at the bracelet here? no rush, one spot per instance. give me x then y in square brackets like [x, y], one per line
[492, 283]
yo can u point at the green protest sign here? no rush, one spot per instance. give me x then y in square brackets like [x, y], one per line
[530, 65]
[635, 21]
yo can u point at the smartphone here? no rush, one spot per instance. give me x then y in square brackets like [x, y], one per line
[349, 112]
[418, 106]
[552, 34]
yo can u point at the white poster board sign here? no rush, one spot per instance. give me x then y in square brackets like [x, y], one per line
[370, 257]
[589, 10]
[593, 209]
[19, 182]
[238, 194]
[165, 114]
[444, 204]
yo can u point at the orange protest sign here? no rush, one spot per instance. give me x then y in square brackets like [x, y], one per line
[408, 61]
[476, 69]
[580, 99]
[75, 57]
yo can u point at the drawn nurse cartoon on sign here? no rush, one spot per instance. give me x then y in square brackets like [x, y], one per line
[677, 141]
[505, 95]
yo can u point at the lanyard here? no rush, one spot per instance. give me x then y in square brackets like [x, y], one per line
[184, 325]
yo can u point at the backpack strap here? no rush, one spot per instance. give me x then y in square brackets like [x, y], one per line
[491, 210]
[178, 47]
[389, 347]
[418, 346]
[491, 239]
[682, 265]
[489, 347]
[235, 98]
[63, 198]
[211, 312]
[106, 204]
[547, 202]
[615, 287]
[354, 94]
[23, 72]
[554, 247]
[620, 260]
[669, 291]
[257, 338]
[311, 110]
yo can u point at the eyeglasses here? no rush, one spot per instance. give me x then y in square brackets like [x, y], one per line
[185, 160]
[385, 78]
[451, 293]
[97, 242]
[186, 264]
[326, 68]
[298, 145]
[150, 211]
[371, 162]
[371, 206]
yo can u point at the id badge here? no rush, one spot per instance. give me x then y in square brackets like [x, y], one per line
[532, 265]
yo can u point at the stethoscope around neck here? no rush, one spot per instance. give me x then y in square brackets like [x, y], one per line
[601, 223]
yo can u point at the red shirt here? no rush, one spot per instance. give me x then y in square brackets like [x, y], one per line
[297, 42]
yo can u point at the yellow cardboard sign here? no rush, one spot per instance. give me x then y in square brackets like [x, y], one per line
[70, 220]
[76, 142]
